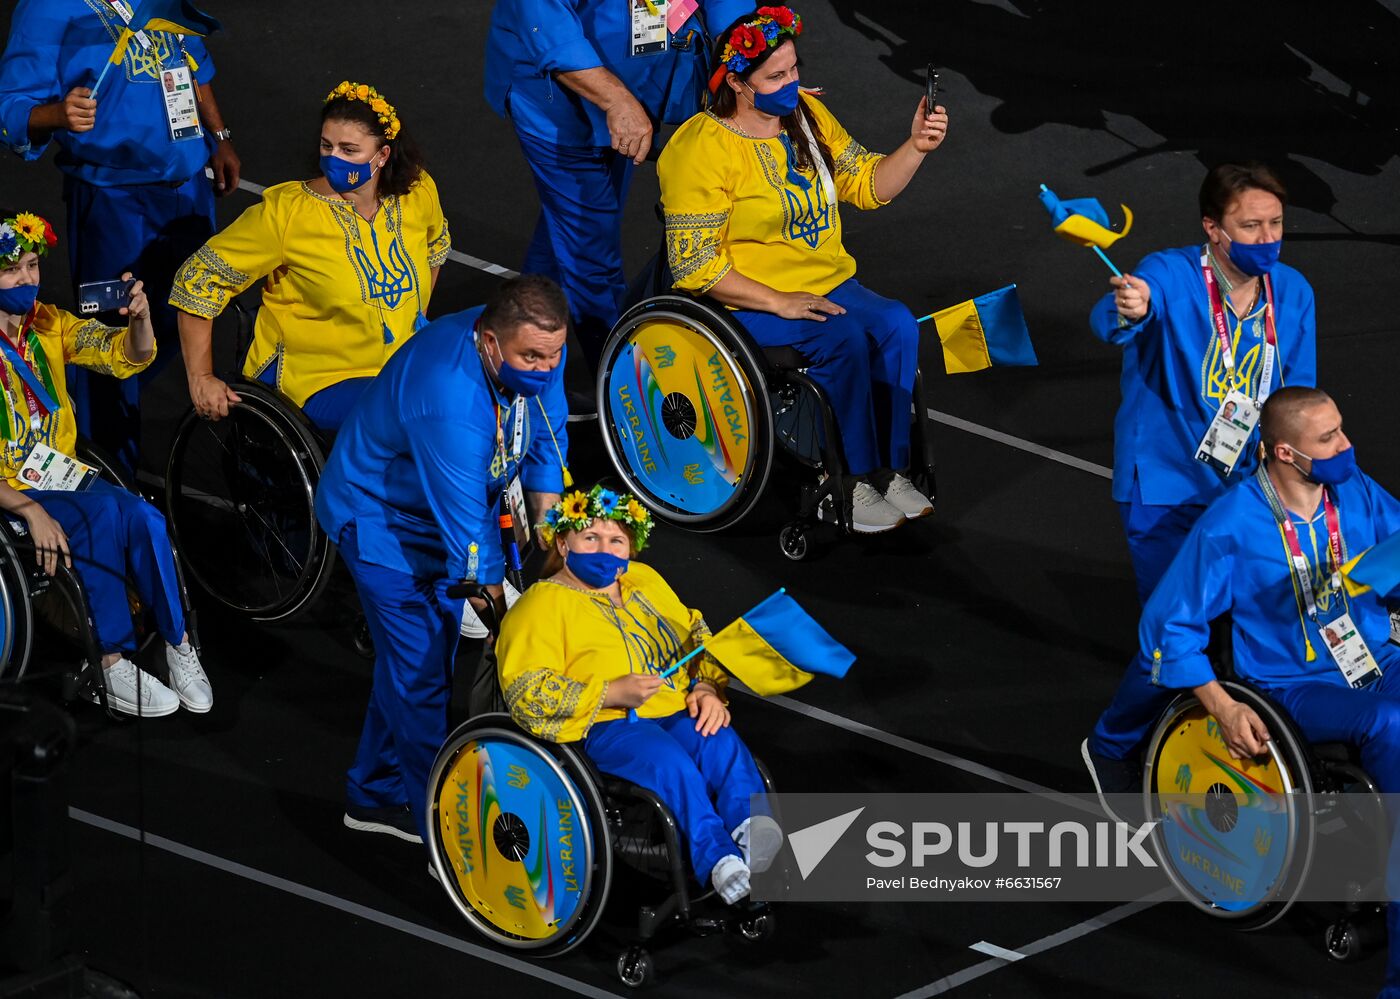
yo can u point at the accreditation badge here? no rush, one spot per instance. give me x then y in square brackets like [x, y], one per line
[1229, 433]
[519, 513]
[46, 468]
[181, 103]
[649, 35]
[1348, 650]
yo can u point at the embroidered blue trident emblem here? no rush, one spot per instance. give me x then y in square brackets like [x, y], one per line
[811, 215]
[391, 281]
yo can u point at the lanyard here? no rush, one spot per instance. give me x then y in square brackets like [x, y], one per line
[1297, 561]
[126, 14]
[1222, 328]
[37, 397]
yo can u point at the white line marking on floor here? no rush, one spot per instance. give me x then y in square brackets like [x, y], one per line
[1067, 935]
[533, 969]
[992, 950]
[946, 419]
[1016, 442]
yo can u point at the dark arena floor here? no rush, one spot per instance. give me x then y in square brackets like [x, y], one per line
[989, 636]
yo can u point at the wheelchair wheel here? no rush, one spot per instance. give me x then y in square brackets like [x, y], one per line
[240, 496]
[1235, 836]
[17, 590]
[517, 829]
[685, 412]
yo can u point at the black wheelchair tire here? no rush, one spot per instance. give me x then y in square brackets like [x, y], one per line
[566, 759]
[715, 323]
[16, 608]
[1294, 761]
[308, 453]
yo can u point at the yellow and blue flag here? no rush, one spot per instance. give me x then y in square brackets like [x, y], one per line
[986, 331]
[777, 647]
[1083, 220]
[176, 17]
[1377, 568]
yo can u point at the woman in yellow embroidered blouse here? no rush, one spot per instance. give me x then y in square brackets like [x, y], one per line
[350, 258]
[750, 191]
[583, 657]
[103, 533]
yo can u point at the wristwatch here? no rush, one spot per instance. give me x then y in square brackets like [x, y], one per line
[224, 134]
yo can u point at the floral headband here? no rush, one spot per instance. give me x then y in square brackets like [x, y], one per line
[579, 509]
[25, 233]
[750, 39]
[388, 117]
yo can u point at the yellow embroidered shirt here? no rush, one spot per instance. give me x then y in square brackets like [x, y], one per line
[65, 339]
[334, 281]
[560, 647]
[728, 203]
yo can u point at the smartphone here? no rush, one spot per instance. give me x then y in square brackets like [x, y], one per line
[104, 296]
[931, 91]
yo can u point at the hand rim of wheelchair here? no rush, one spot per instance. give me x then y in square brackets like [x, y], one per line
[1292, 757]
[743, 359]
[306, 453]
[566, 763]
[16, 608]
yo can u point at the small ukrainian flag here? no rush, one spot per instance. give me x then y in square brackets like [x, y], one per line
[1377, 568]
[777, 647]
[986, 331]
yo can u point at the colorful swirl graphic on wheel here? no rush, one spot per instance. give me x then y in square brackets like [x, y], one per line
[680, 409]
[512, 830]
[1225, 823]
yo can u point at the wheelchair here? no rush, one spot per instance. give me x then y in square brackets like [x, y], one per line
[1238, 837]
[240, 497]
[693, 411]
[526, 837]
[32, 602]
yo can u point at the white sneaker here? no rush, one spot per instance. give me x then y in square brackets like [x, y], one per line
[760, 838]
[902, 495]
[871, 513]
[731, 878]
[187, 678]
[156, 699]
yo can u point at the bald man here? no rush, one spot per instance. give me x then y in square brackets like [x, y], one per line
[1268, 552]
[1235, 560]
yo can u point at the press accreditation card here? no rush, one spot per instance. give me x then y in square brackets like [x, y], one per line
[648, 26]
[1349, 651]
[46, 468]
[181, 103]
[1228, 433]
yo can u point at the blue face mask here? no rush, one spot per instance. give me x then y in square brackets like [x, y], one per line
[779, 103]
[17, 301]
[344, 176]
[521, 381]
[1254, 259]
[1331, 471]
[595, 569]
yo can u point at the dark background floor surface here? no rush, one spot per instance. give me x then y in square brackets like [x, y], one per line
[995, 631]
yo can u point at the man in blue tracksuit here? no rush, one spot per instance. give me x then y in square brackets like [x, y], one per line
[1269, 552]
[585, 94]
[137, 196]
[411, 495]
[1208, 332]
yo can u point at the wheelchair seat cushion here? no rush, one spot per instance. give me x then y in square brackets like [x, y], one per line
[784, 359]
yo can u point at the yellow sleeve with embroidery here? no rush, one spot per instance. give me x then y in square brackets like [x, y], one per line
[97, 347]
[695, 206]
[231, 261]
[531, 661]
[439, 233]
[854, 175]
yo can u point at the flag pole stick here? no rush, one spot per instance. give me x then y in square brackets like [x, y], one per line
[1104, 257]
[98, 85]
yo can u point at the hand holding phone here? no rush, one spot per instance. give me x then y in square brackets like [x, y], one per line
[104, 296]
